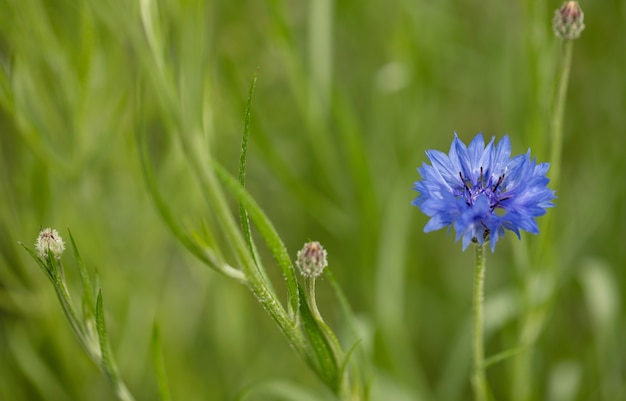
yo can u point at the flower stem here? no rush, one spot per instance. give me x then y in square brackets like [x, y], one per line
[556, 126]
[309, 287]
[479, 380]
[535, 317]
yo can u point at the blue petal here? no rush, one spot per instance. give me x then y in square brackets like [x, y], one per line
[500, 157]
[441, 163]
[486, 157]
[475, 152]
[517, 186]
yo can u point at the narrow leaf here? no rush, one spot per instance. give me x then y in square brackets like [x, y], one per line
[245, 223]
[325, 363]
[107, 361]
[159, 364]
[89, 307]
[163, 209]
[344, 365]
[349, 316]
[243, 213]
[267, 231]
[64, 297]
[501, 356]
[50, 269]
[40, 262]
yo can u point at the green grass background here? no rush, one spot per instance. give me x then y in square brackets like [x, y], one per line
[349, 96]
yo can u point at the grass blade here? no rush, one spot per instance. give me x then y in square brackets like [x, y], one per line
[89, 307]
[245, 223]
[107, 361]
[501, 356]
[243, 213]
[325, 362]
[267, 231]
[159, 364]
[205, 255]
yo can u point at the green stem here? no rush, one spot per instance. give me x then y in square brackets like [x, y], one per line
[556, 133]
[254, 279]
[534, 319]
[344, 390]
[309, 288]
[122, 392]
[480, 380]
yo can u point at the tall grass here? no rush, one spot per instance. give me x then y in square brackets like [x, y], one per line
[348, 97]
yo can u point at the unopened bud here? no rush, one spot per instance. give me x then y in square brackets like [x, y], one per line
[311, 259]
[49, 239]
[568, 21]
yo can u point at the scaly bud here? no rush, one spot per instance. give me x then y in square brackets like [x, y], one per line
[49, 239]
[311, 259]
[568, 21]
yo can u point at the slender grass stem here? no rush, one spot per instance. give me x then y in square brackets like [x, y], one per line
[556, 126]
[556, 135]
[479, 380]
[534, 320]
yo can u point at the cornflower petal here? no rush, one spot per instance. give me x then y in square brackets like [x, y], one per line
[481, 191]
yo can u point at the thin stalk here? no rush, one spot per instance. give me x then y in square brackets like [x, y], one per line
[533, 322]
[478, 305]
[556, 134]
[556, 126]
[122, 393]
[309, 288]
[344, 391]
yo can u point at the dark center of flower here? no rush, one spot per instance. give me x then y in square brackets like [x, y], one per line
[492, 189]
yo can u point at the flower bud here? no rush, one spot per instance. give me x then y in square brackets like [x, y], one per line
[311, 259]
[49, 239]
[568, 21]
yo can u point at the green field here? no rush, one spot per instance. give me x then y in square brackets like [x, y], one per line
[116, 118]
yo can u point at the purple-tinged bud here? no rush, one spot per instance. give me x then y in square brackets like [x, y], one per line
[568, 21]
[49, 239]
[311, 259]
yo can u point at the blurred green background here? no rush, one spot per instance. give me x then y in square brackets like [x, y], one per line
[349, 96]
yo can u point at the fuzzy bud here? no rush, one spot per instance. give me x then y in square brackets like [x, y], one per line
[568, 21]
[311, 259]
[49, 239]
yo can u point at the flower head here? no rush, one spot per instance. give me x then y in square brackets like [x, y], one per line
[482, 190]
[568, 21]
[49, 239]
[311, 259]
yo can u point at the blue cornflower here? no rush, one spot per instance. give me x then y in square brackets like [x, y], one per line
[482, 190]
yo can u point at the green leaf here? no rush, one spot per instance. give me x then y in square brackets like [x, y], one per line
[245, 223]
[346, 361]
[163, 208]
[107, 361]
[325, 363]
[159, 364]
[44, 267]
[267, 231]
[51, 270]
[501, 356]
[89, 307]
[243, 213]
[65, 299]
[207, 256]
